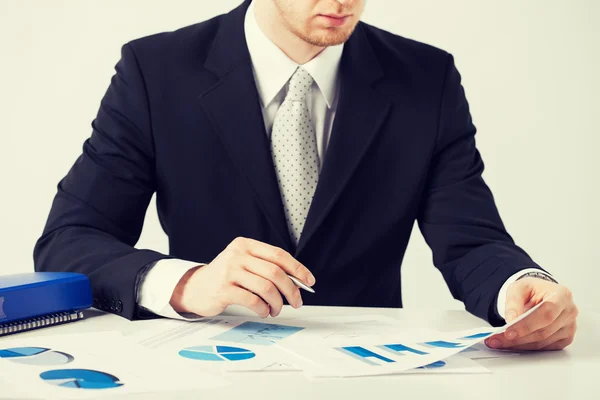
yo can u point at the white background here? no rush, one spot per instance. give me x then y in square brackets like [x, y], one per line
[530, 70]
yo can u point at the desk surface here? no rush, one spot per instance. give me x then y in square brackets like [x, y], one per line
[567, 374]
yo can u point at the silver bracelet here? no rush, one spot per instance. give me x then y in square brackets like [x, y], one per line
[540, 275]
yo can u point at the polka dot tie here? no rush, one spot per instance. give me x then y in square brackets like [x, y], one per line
[294, 150]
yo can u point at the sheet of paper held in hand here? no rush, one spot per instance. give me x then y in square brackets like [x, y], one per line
[384, 354]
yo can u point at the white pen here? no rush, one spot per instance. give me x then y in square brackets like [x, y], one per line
[301, 284]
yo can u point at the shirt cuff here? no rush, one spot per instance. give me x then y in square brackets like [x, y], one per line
[157, 286]
[501, 303]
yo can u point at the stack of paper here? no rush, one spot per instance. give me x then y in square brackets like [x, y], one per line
[331, 347]
[171, 355]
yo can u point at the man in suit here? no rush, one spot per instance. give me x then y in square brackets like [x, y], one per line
[289, 138]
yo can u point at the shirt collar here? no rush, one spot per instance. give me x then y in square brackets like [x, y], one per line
[273, 68]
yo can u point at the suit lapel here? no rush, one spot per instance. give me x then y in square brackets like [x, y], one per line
[359, 116]
[233, 106]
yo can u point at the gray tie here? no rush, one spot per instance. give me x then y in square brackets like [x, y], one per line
[294, 150]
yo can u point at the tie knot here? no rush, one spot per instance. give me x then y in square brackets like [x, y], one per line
[300, 84]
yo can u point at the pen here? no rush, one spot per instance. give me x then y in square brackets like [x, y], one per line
[300, 284]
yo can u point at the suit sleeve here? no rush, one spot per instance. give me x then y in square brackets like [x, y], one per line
[458, 217]
[98, 211]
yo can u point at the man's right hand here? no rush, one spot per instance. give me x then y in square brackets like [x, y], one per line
[247, 273]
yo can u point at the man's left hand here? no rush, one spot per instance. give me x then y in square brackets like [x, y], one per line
[551, 327]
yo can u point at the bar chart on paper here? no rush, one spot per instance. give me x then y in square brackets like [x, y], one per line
[443, 344]
[257, 333]
[365, 355]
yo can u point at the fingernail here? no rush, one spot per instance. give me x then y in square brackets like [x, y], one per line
[511, 335]
[494, 343]
[311, 279]
[299, 303]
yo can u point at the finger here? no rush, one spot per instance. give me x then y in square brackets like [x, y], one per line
[262, 287]
[560, 344]
[242, 297]
[279, 257]
[562, 334]
[516, 296]
[277, 276]
[559, 335]
[565, 318]
[544, 316]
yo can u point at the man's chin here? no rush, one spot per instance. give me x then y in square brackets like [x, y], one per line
[329, 38]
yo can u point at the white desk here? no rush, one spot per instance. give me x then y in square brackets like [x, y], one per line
[573, 373]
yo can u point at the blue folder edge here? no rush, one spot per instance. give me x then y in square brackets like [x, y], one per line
[38, 294]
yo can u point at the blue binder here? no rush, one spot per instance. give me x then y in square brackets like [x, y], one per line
[39, 299]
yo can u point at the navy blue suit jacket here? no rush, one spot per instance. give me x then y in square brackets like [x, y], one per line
[182, 119]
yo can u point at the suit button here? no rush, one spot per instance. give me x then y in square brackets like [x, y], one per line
[119, 306]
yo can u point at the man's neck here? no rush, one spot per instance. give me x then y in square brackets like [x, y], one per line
[271, 23]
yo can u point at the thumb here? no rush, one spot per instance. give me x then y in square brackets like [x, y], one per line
[516, 297]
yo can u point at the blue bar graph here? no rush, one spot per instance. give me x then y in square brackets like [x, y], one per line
[400, 349]
[365, 355]
[478, 335]
[443, 344]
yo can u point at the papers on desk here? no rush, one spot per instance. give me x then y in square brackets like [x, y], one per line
[384, 354]
[331, 347]
[90, 365]
[174, 355]
[220, 344]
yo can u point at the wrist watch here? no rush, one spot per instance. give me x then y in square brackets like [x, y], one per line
[540, 275]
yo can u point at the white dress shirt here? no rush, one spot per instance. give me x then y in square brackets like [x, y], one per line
[272, 70]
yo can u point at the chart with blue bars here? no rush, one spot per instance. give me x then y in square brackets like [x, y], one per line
[443, 344]
[373, 358]
[477, 336]
[378, 355]
[400, 349]
[257, 333]
[365, 355]
[217, 353]
[81, 379]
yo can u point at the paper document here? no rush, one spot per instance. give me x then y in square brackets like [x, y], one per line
[384, 354]
[91, 365]
[225, 344]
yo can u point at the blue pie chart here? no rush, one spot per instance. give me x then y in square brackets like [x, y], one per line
[217, 353]
[35, 356]
[80, 379]
[437, 364]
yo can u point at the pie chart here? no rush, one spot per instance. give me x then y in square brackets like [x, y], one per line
[80, 379]
[217, 353]
[36, 356]
[437, 364]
